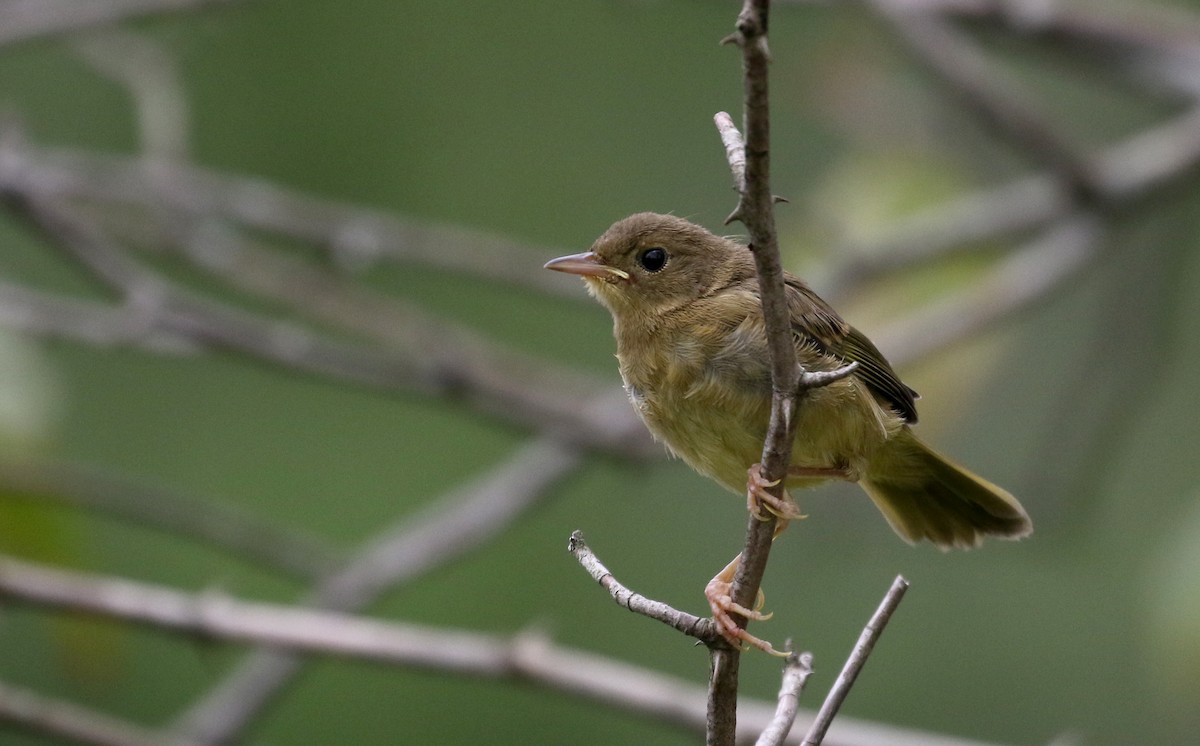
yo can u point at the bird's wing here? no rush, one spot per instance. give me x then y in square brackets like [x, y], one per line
[816, 324]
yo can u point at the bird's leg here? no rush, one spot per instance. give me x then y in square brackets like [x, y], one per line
[720, 599]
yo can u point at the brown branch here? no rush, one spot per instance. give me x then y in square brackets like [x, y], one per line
[755, 209]
[453, 525]
[858, 658]
[702, 629]
[796, 671]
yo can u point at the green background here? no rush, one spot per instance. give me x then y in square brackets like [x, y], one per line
[544, 122]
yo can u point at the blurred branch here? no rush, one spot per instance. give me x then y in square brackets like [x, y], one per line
[41, 715]
[1127, 172]
[56, 316]
[352, 234]
[1023, 278]
[497, 382]
[221, 525]
[529, 656]
[1126, 27]
[796, 670]
[856, 661]
[693, 626]
[21, 20]
[151, 76]
[996, 99]
[455, 524]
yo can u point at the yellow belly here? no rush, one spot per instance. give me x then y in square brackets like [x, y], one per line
[719, 430]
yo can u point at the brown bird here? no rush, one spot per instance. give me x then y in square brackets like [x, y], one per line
[692, 350]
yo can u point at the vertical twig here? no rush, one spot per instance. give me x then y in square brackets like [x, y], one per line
[854, 664]
[796, 671]
[755, 209]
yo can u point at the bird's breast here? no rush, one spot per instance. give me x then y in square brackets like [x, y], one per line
[703, 416]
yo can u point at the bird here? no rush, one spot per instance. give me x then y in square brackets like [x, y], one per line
[692, 353]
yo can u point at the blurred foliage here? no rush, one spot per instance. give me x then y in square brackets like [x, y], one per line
[544, 122]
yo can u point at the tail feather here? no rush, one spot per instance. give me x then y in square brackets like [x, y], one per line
[925, 496]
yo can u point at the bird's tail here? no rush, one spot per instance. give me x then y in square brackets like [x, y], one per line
[925, 496]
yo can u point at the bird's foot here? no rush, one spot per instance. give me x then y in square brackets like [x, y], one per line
[758, 498]
[723, 607]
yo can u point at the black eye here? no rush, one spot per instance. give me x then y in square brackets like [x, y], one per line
[652, 260]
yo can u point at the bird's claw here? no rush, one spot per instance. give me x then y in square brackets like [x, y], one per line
[758, 498]
[717, 592]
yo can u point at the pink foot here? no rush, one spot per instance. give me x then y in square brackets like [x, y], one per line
[723, 607]
[758, 498]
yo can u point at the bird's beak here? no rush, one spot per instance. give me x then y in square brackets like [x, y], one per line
[587, 264]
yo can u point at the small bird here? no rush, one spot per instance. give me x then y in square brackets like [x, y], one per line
[692, 350]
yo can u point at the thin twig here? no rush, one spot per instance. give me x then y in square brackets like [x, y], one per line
[755, 210]
[858, 658]
[450, 527]
[702, 629]
[42, 715]
[262, 542]
[735, 149]
[796, 670]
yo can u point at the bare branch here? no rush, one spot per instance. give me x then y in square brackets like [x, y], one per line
[56, 316]
[353, 235]
[215, 523]
[816, 379]
[500, 383]
[1157, 28]
[1018, 281]
[998, 101]
[23, 708]
[702, 629]
[735, 149]
[858, 658]
[796, 671]
[1129, 171]
[960, 225]
[448, 528]
[755, 209]
[21, 20]
[1152, 159]
[528, 657]
[151, 77]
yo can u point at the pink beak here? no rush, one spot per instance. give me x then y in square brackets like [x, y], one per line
[586, 264]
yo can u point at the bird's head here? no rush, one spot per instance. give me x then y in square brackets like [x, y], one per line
[648, 263]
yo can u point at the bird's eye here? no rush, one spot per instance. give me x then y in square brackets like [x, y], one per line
[652, 260]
